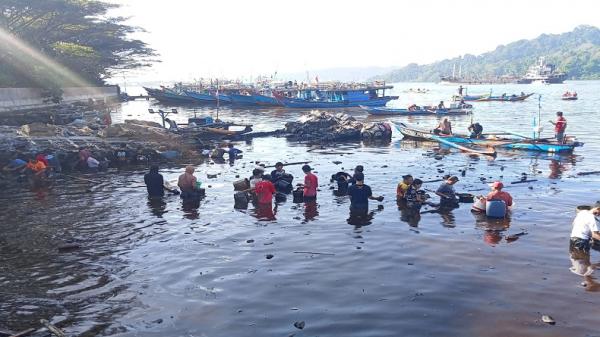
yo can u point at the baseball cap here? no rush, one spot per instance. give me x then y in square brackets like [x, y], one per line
[497, 184]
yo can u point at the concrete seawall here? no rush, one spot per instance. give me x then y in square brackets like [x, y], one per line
[33, 98]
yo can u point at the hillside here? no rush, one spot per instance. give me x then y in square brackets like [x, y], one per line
[577, 53]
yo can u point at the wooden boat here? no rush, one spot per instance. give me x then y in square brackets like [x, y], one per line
[470, 149]
[469, 98]
[504, 98]
[500, 140]
[169, 96]
[201, 97]
[335, 97]
[384, 111]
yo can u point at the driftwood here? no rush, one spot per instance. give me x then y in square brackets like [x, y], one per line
[588, 173]
[523, 181]
[314, 253]
[56, 331]
[23, 333]
[290, 164]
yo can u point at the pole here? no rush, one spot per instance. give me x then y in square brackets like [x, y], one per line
[217, 100]
[539, 115]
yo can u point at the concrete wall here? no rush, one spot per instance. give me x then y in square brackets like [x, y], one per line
[31, 98]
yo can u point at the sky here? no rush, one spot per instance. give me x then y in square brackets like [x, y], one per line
[244, 38]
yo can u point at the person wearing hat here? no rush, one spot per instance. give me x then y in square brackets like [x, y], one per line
[498, 194]
[585, 229]
[403, 186]
[311, 182]
[360, 194]
[446, 192]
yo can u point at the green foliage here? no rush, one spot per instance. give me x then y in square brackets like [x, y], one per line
[48, 43]
[577, 53]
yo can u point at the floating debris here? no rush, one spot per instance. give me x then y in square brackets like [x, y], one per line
[548, 319]
[299, 325]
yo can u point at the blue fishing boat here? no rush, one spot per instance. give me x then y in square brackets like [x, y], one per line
[415, 111]
[323, 97]
[242, 99]
[167, 95]
[201, 97]
[496, 140]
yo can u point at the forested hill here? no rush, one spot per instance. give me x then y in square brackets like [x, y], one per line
[577, 53]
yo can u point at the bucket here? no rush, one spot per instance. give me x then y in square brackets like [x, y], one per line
[495, 209]
[298, 196]
[241, 185]
[282, 185]
[241, 199]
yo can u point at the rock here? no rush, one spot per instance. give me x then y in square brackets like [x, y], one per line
[548, 319]
[299, 325]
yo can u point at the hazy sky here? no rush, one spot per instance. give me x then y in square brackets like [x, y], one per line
[235, 38]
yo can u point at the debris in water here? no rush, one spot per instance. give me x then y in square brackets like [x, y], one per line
[299, 325]
[337, 162]
[548, 319]
[269, 256]
[249, 241]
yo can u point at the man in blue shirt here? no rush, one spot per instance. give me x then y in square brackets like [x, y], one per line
[360, 194]
[154, 183]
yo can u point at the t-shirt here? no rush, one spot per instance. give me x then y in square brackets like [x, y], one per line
[500, 195]
[154, 184]
[401, 189]
[276, 175]
[584, 224]
[447, 190]
[311, 182]
[264, 191]
[411, 195]
[92, 162]
[359, 196]
[37, 167]
[233, 152]
[561, 124]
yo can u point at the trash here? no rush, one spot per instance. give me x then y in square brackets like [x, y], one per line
[299, 325]
[548, 319]
[269, 256]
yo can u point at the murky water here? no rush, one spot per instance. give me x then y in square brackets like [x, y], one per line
[172, 269]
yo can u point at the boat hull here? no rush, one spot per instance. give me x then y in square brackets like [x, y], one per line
[512, 144]
[300, 103]
[504, 99]
[383, 111]
[201, 97]
[168, 97]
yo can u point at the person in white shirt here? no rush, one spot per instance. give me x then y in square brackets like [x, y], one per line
[585, 228]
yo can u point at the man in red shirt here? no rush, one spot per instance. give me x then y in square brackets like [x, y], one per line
[264, 190]
[559, 126]
[311, 182]
[498, 194]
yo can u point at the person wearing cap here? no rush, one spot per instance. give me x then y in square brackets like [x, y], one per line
[585, 229]
[403, 187]
[446, 191]
[154, 183]
[559, 126]
[311, 182]
[498, 194]
[360, 194]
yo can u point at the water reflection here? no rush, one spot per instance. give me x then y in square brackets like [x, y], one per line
[493, 228]
[190, 206]
[360, 218]
[157, 206]
[581, 265]
[409, 214]
[264, 212]
[311, 210]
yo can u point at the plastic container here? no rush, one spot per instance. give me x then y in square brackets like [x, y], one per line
[241, 185]
[479, 205]
[198, 185]
[495, 209]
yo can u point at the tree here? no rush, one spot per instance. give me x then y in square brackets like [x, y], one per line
[45, 43]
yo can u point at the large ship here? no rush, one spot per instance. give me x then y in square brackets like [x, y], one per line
[543, 72]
